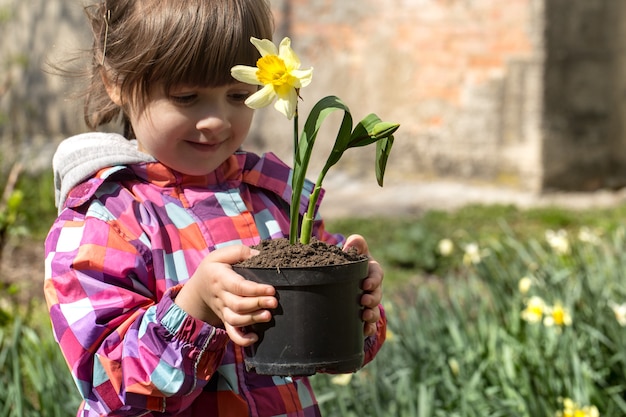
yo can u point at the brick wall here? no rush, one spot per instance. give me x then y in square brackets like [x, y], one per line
[463, 78]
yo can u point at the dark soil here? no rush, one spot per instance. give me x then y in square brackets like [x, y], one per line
[280, 253]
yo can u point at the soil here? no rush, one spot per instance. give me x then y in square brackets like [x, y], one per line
[280, 253]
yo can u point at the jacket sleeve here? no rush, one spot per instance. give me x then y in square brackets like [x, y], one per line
[128, 345]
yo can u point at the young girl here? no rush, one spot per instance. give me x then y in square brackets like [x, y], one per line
[144, 303]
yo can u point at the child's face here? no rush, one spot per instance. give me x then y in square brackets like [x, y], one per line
[194, 130]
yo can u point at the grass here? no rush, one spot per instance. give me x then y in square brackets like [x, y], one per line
[462, 344]
[462, 340]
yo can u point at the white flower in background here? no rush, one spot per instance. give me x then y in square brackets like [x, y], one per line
[445, 247]
[588, 235]
[342, 379]
[472, 254]
[620, 313]
[558, 241]
[524, 285]
[533, 313]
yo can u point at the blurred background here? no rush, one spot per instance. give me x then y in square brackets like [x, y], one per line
[504, 106]
[526, 94]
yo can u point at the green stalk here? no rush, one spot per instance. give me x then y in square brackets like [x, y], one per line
[307, 222]
[294, 210]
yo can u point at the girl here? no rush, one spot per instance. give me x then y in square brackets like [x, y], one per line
[144, 303]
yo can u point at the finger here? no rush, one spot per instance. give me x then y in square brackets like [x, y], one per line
[370, 315]
[358, 242]
[248, 305]
[240, 336]
[236, 284]
[375, 277]
[371, 300]
[241, 320]
[231, 254]
[370, 329]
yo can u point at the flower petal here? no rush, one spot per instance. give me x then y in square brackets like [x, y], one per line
[288, 55]
[304, 77]
[245, 74]
[261, 98]
[265, 46]
[287, 105]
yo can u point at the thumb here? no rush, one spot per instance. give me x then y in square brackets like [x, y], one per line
[231, 254]
[358, 242]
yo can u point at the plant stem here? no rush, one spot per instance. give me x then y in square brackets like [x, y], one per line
[294, 210]
[307, 221]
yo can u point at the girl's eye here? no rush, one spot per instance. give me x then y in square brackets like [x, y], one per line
[239, 97]
[184, 99]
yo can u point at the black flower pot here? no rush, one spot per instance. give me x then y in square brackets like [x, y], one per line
[317, 325]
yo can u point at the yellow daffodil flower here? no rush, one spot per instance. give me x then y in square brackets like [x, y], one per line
[571, 409]
[342, 379]
[557, 315]
[278, 71]
[533, 313]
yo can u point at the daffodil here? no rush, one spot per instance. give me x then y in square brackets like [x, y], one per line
[533, 313]
[472, 254]
[342, 379]
[446, 247]
[588, 235]
[278, 71]
[558, 241]
[524, 285]
[557, 315]
[572, 409]
[619, 310]
[455, 368]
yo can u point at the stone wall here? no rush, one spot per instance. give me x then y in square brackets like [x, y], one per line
[463, 77]
[584, 140]
[525, 93]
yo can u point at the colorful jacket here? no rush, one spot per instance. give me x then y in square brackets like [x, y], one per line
[126, 240]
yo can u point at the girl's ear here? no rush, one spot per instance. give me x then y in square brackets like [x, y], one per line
[113, 88]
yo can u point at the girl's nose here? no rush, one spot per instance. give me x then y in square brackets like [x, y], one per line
[214, 120]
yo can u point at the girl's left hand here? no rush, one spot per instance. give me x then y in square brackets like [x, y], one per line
[372, 286]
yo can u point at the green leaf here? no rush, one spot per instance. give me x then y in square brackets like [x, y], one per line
[384, 130]
[383, 149]
[302, 157]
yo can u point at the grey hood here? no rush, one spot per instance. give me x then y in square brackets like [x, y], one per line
[80, 157]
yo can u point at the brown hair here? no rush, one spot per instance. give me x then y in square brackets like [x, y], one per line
[140, 44]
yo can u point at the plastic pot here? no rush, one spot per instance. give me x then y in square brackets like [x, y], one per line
[317, 325]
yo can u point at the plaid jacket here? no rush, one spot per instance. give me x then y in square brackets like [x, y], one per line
[126, 241]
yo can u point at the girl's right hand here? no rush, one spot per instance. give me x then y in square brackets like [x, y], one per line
[219, 296]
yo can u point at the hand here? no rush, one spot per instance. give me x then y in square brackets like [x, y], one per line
[372, 286]
[218, 295]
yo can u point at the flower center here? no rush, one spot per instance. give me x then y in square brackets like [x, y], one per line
[273, 70]
[559, 316]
